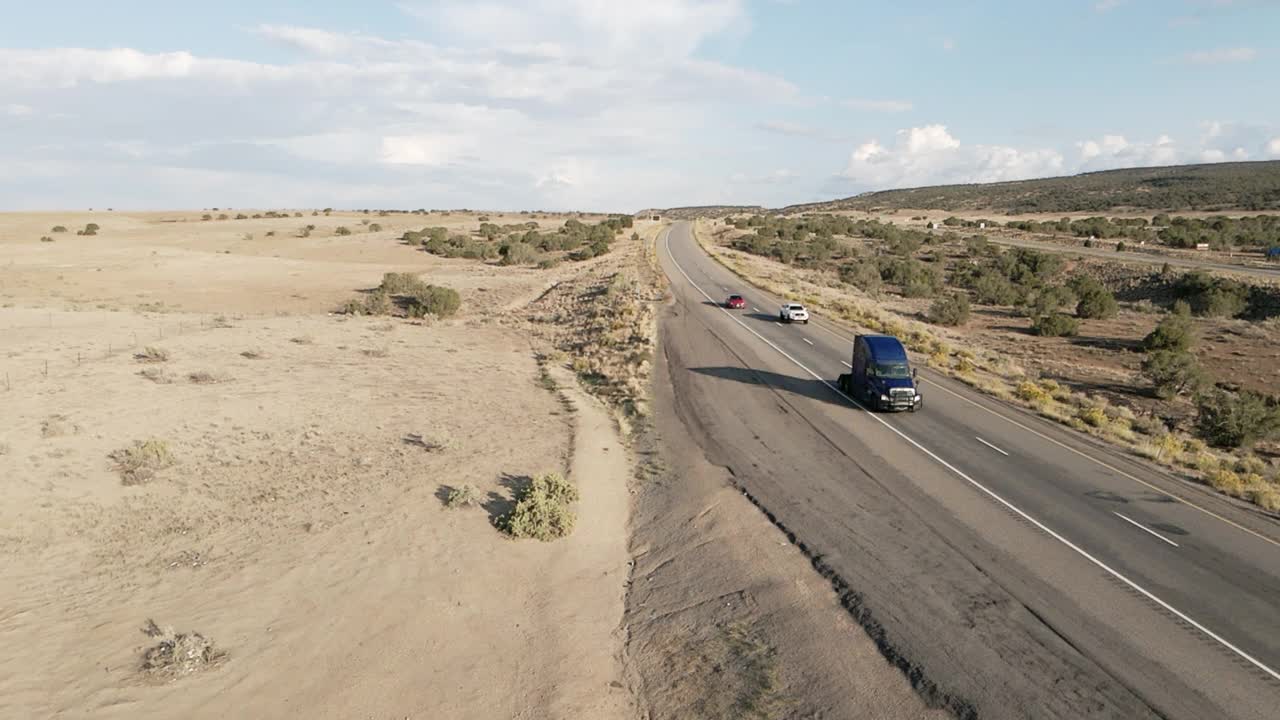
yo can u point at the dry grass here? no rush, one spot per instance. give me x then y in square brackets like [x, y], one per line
[58, 426]
[204, 377]
[302, 340]
[156, 375]
[175, 654]
[152, 354]
[376, 352]
[140, 462]
[254, 354]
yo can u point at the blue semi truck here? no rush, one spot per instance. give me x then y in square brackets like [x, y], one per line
[881, 377]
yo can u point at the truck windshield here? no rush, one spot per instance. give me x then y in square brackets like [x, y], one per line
[892, 370]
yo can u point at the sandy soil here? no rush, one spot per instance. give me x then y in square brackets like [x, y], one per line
[300, 527]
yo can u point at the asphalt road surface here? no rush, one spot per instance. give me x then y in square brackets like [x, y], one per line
[1010, 567]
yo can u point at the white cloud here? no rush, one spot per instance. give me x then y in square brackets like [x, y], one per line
[1222, 55]
[1103, 6]
[547, 103]
[1273, 147]
[948, 44]
[877, 105]
[312, 40]
[931, 155]
[18, 110]
[1115, 151]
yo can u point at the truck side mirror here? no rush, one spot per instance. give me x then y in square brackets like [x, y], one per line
[914, 373]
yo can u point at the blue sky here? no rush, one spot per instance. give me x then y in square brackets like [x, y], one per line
[597, 104]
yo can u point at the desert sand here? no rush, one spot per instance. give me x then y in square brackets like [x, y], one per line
[300, 527]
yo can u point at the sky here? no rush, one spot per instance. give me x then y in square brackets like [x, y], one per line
[610, 105]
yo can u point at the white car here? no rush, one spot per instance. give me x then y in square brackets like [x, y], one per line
[793, 312]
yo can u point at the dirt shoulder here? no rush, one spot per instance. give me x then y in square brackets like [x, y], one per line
[271, 491]
[726, 618]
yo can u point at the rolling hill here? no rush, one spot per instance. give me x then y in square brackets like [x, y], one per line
[1243, 186]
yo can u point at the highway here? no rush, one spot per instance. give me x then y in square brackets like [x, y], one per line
[1010, 567]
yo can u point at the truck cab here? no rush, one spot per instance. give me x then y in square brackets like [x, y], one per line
[881, 377]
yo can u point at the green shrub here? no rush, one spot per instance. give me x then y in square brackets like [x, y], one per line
[1121, 247]
[62, 228]
[1212, 296]
[1095, 301]
[434, 300]
[342, 230]
[1055, 325]
[1173, 372]
[861, 275]
[375, 227]
[952, 310]
[993, 289]
[1048, 300]
[543, 509]
[1236, 420]
[1173, 333]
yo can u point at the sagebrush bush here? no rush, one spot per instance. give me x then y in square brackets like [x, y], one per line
[59, 229]
[518, 254]
[465, 495]
[401, 283]
[434, 300]
[342, 230]
[543, 509]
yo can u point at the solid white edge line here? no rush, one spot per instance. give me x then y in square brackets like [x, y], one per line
[755, 308]
[1144, 528]
[846, 364]
[990, 493]
[807, 340]
[993, 447]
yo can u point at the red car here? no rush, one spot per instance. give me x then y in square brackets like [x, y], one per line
[735, 302]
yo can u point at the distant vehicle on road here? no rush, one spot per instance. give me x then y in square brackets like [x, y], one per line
[793, 312]
[735, 302]
[881, 377]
